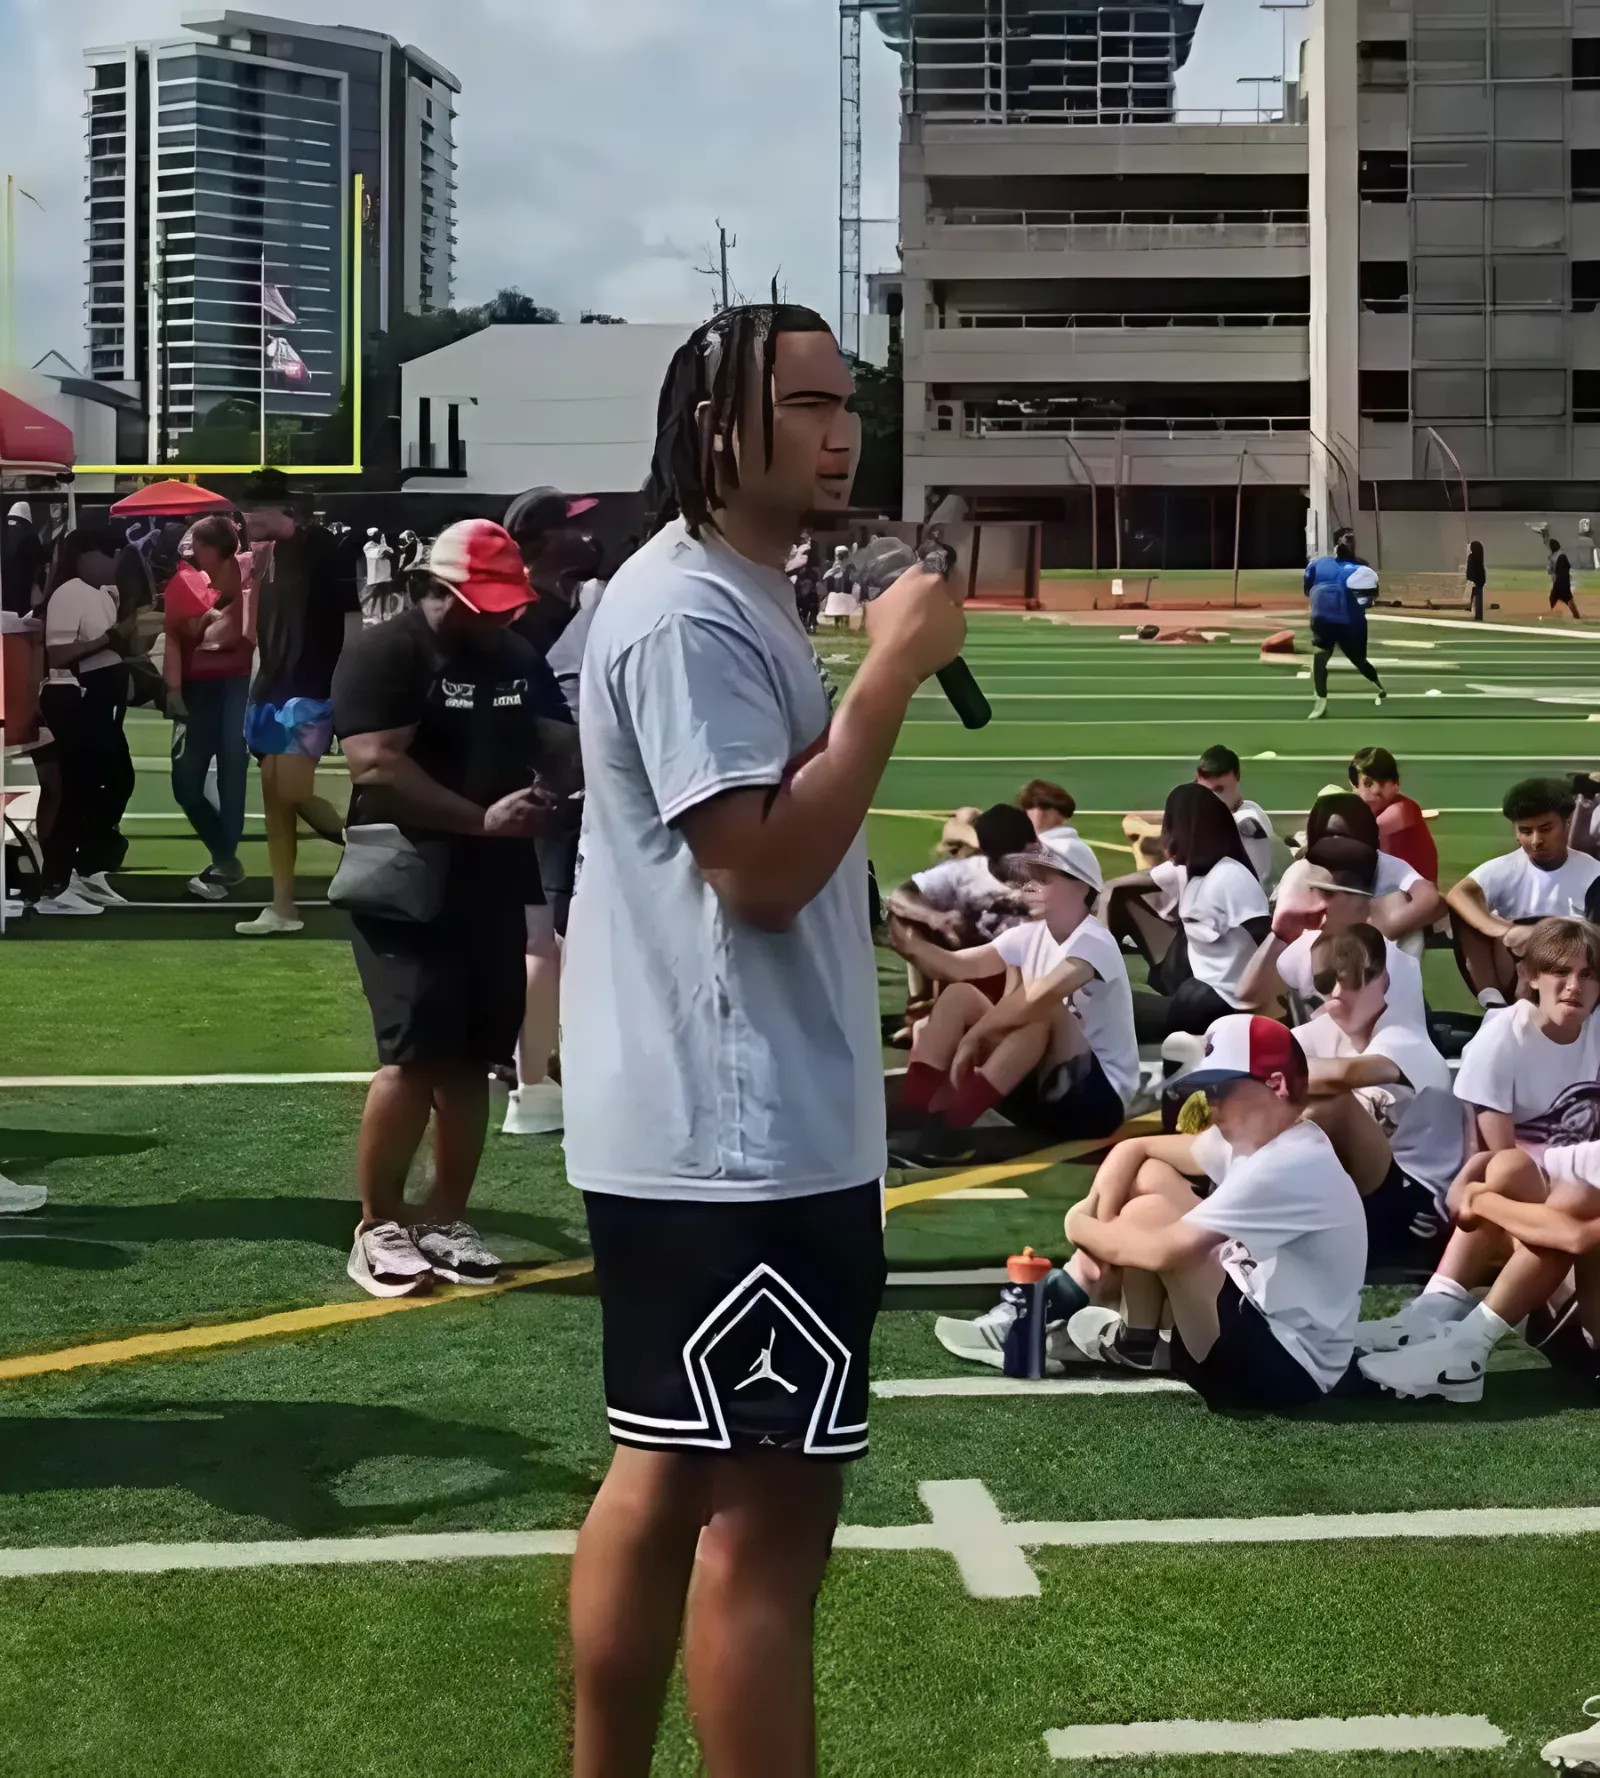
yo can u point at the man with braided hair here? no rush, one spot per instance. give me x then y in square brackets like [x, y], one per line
[724, 1090]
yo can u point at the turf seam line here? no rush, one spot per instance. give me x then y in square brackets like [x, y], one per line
[361, 1077]
[1277, 1735]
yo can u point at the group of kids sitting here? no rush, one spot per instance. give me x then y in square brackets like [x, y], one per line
[1316, 1136]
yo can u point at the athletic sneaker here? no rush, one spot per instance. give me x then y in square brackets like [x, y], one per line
[1429, 1368]
[1579, 1752]
[1101, 1336]
[385, 1261]
[214, 882]
[268, 924]
[18, 1200]
[68, 902]
[1319, 709]
[1382, 698]
[1421, 1319]
[533, 1110]
[96, 887]
[983, 1340]
[456, 1252]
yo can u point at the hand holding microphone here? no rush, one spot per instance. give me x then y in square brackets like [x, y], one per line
[913, 609]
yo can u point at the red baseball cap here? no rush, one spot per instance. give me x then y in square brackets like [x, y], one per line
[1245, 1046]
[481, 563]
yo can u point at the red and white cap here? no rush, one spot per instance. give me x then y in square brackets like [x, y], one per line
[1245, 1046]
[481, 563]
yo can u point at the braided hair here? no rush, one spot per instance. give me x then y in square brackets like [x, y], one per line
[712, 368]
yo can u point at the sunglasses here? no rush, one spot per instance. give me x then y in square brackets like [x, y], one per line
[1326, 980]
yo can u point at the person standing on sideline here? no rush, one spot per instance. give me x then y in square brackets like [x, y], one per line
[1561, 580]
[1340, 588]
[83, 702]
[721, 1054]
[1477, 580]
[445, 715]
[23, 561]
[210, 653]
[304, 609]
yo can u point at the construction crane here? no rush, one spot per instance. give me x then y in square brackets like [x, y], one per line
[850, 14]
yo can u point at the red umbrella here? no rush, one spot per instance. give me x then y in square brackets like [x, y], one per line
[180, 500]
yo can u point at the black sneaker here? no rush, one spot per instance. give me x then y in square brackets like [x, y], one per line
[214, 882]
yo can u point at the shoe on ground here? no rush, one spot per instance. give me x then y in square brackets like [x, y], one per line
[1435, 1369]
[456, 1252]
[68, 902]
[983, 1340]
[533, 1110]
[1421, 1319]
[1382, 698]
[269, 923]
[1319, 709]
[385, 1261]
[96, 887]
[1579, 1752]
[18, 1200]
[1098, 1336]
[214, 882]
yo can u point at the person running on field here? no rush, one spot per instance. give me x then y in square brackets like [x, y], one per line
[1340, 588]
[1560, 567]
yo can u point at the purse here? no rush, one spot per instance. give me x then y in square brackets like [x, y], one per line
[386, 875]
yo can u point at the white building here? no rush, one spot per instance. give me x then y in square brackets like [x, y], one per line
[508, 408]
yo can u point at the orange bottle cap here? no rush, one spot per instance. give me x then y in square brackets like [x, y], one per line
[1027, 1267]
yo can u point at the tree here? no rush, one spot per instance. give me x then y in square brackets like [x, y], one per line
[880, 401]
[594, 318]
[510, 308]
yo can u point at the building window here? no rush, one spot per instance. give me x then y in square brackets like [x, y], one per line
[1586, 397]
[1386, 286]
[1586, 175]
[424, 433]
[1386, 395]
[1384, 177]
[1383, 67]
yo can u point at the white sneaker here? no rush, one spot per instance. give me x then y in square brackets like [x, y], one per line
[1579, 1752]
[456, 1252]
[385, 1261]
[1319, 709]
[983, 1340]
[18, 1200]
[1434, 1368]
[533, 1110]
[1421, 1319]
[268, 924]
[96, 887]
[1382, 698]
[69, 901]
[1097, 1334]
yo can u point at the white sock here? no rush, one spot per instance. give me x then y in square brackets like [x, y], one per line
[1456, 1296]
[1482, 1330]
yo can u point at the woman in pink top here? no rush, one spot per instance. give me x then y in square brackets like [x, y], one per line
[210, 653]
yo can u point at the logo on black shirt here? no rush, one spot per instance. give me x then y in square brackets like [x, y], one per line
[459, 694]
[511, 695]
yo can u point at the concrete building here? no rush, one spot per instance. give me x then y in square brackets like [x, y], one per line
[1138, 328]
[508, 408]
[234, 147]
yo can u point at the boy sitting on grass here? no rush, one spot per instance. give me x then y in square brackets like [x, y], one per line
[1493, 909]
[1402, 827]
[1532, 1079]
[1058, 1051]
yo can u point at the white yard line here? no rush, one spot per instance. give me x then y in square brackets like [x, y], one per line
[1310, 1734]
[1302, 759]
[974, 1275]
[963, 1522]
[902, 1388]
[1466, 623]
[984, 1194]
[185, 1080]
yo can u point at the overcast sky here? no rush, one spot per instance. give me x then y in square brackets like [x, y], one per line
[598, 140]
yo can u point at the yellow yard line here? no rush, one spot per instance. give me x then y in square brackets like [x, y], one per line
[898, 1196]
[164, 1343]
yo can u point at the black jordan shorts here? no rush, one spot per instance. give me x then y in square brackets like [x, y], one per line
[731, 1327]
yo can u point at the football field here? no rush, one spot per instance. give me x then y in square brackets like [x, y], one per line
[252, 1522]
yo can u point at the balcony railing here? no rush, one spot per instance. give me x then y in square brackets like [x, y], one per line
[1142, 425]
[1095, 322]
[999, 218]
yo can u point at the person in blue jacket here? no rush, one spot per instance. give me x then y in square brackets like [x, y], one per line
[1340, 589]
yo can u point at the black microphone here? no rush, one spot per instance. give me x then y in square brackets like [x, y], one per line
[877, 565]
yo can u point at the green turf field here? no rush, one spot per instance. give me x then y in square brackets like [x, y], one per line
[198, 1205]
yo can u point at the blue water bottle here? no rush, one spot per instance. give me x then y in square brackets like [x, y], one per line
[1024, 1353]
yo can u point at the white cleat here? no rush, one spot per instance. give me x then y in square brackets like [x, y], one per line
[1579, 1752]
[1319, 709]
[96, 887]
[1428, 1369]
[1420, 1319]
[534, 1110]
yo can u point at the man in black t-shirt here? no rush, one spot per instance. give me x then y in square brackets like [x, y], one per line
[446, 717]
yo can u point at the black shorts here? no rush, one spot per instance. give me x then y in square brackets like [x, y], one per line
[558, 873]
[1196, 1007]
[1326, 637]
[1405, 1229]
[1248, 1369]
[1560, 598]
[451, 991]
[1071, 1102]
[730, 1327]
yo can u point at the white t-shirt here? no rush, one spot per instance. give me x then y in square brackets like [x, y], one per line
[1421, 1116]
[1213, 909]
[380, 562]
[1255, 829]
[1104, 1005]
[1297, 1245]
[1406, 1003]
[78, 612]
[1550, 1091]
[1396, 877]
[1515, 889]
[1578, 1165]
[967, 886]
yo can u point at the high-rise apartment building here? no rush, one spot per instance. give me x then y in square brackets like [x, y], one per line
[221, 239]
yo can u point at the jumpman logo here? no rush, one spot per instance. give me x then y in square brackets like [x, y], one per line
[762, 1372]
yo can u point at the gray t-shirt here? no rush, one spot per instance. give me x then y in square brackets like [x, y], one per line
[703, 1059]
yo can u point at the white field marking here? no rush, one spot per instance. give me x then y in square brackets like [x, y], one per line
[1117, 814]
[176, 816]
[978, 1275]
[901, 1388]
[185, 1080]
[1301, 759]
[1466, 623]
[1309, 1734]
[965, 1523]
[984, 1194]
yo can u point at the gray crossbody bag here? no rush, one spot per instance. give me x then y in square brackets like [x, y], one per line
[387, 876]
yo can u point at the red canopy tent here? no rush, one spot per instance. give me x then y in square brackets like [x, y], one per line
[30, 440]
[171, 500]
